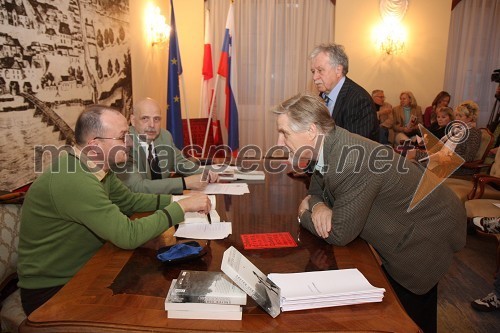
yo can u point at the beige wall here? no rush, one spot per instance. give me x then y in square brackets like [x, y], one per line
[150, 63]
[419, 69]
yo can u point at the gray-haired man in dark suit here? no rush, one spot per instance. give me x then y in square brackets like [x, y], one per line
[349, 104]
[362, 189]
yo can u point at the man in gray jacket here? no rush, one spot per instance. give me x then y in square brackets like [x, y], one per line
[155, 158]
[361, 189]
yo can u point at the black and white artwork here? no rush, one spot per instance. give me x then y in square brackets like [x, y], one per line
[56, 57]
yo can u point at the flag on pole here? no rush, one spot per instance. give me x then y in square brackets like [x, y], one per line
[227, 71]
[208, 80]
[174, 115]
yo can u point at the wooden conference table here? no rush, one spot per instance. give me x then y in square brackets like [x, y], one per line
[124, 290]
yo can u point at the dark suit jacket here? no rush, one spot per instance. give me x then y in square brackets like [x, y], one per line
[354, 110]
[416, 246]
[170, 159]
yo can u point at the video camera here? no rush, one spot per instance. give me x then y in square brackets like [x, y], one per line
[495, 76]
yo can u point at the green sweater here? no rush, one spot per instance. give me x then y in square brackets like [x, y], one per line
[68, 214]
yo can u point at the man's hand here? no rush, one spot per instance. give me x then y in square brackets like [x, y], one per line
[199, 182]
[196, 203]
[322, 219]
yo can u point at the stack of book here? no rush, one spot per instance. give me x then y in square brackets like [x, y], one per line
[204, 295]
[298, 291]
[311, 290]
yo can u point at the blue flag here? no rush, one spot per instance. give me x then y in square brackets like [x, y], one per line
[174, 115]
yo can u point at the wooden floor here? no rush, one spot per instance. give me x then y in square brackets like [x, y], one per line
[470, 277]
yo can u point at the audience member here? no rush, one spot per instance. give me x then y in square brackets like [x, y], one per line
[348, 103]
[444, 115]
[154, 157]
[384, 115]
[78, 204]
[490, 302]
[464, 139]
[441, 100]
[354, 194]
[407, 116]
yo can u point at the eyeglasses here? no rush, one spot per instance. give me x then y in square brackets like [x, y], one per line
[383, 97]
[123, 138]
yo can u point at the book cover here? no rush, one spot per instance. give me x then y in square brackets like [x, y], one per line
[249, 278]
[250, 175]
[171, 305]
[209, 315]
[206, 287]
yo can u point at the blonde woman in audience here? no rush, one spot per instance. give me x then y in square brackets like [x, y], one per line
[407, 115]
[464, 139]
[441, 100]
[444, 115]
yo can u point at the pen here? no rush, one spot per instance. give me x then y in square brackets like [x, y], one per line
[209, 218]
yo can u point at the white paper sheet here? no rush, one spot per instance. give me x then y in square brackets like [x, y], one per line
[204, 231]
[231, 189]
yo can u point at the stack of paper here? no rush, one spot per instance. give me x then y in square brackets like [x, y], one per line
[310, 290]
[231, 189]
[204, 230]
[204, 295]
[230, 173]
[195, 217]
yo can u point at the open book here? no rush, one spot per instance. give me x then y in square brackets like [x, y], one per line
[195, 217]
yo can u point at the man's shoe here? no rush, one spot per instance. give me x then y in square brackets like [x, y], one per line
[486, 304]
[487, 224]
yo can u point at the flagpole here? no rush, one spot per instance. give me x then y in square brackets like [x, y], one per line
[201, 99]
[187, 113]
[210, 114]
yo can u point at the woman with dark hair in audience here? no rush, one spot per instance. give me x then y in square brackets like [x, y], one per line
[407, 115]
[442, 99]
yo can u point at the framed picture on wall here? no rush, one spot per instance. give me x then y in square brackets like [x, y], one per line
[56, 57]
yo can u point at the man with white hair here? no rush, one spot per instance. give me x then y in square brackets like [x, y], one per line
[349, 104]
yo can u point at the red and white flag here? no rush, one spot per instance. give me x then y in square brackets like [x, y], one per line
[207, 92]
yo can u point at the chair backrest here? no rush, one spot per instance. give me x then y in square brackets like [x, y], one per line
[495, 167]
[198, 130]
[485, 146]
[10, 222]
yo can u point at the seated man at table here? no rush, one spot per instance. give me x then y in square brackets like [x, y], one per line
[78, 204]
[154, 156]
[360, 189]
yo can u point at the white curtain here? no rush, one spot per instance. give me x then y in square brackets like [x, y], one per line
[473, 54]
[272, 42]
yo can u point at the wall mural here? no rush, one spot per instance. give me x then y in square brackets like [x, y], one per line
[56, 56]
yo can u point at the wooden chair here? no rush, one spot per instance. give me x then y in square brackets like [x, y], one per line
[480, 186]
[487, 141]
[198, 129]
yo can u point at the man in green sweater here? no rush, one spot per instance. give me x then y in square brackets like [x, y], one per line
[78, 204]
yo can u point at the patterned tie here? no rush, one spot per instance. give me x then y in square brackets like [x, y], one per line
[325, 98]
[153, 164]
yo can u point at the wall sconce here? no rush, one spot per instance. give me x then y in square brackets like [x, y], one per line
[390, 36]
[156, 26]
